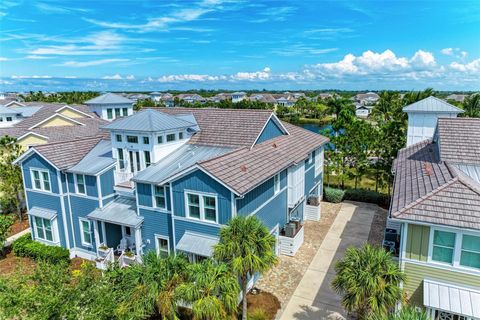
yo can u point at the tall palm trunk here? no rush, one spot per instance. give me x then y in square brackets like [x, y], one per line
[244, 302]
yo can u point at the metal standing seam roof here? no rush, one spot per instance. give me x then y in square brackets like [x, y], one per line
[451, 298]
[42, 213]
[121, 211]
[199, 244]
[459, 140]
[148, 120]
[7, 110]
[432, 104]
[183, 158]
[97, 159]
[109, 98]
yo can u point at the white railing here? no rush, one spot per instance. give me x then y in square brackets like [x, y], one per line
[105, 256]
[122, 176]
[126, 259]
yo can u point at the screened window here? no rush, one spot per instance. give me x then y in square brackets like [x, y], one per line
[119, 137]
[109, 113]
[148, 162]
[160, 139]
[470, 253]
[132, 139]
[117, 112]
[41, 180]
[80, 183]
[9, 119]
[276, 183]
[170, 137]
[202, 207]
[125, 112]
[162, 247]
[443, 246]
[43, 229]
[86, 232]
[180, 135]
[121, 160]
[193, 201]
[210, 209]
[146, 140]
[160, 199]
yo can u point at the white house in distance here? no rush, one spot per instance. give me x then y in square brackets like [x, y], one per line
[238, 96]
[423, 116]
[111, 106]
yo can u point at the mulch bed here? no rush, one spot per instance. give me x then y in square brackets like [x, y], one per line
[377, 230]
[18, 225]
[263, 301]
[12, 264]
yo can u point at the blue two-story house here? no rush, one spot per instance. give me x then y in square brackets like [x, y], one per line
[168, 179]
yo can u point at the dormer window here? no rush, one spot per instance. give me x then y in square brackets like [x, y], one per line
[117, 112]
[118, 137]
[170, 137]
[132, 139]
[160, 139]
[146, 140]
[109, 114]
[180, 135]
[125, 112]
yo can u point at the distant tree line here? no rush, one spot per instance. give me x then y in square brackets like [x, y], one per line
[73, 97]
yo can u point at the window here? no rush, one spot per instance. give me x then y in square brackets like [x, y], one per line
[43, 229]
[9, 119]
[276, 183]
[86, 233]
[121, 160]
[163, 248]
[137, 157]
[118, 137]
[170, 137]
[125, 112]
[132, 139]
[318, 161]
[41, 180]
[146, 140]
[109, 114]
[160, 139]
[80, 183]
[443, 246]
[470, 252]
[180, 135]
[160, 198]
[1, 119]
[310, 157]
[148, 162]
[117, 112]
[202, 207]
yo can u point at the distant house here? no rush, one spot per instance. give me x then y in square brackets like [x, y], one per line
[191, 98]
[369, 98]
[221, 97]
[434, 218]
[156, 96]
[111, 106]
[168, 100]
[238, 96]
[263, 97]
[285, 100]
[324, 96]
[457, 97]
[362, 111]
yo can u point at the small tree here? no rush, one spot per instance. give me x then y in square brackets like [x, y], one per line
[212, 290]
[368, 281]
[11, 184]
[247, 248]
[6, 222]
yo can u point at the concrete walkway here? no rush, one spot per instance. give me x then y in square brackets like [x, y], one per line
[314, 297]
[15, 237]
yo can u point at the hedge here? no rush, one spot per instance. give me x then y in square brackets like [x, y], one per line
[337, 195]
[26, 247]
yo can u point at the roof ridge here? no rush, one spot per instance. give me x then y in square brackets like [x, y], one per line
[68, 141]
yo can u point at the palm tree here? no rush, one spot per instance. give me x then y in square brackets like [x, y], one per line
[248, 248]
[471, 105]
[414, 96]
[368, 281]
[388, 107]
[406, 313]
[211, 289]
[150, 288]
[336, 104]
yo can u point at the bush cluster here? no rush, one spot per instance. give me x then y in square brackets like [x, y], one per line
[337, 195]
[26, 247]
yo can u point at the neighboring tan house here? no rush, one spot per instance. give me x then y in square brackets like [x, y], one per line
[263, 97]
[111, 106]
[167, 180]
[457, 97]
[366, 99]
[435, 209]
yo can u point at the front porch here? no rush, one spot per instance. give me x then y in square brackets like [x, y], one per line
[117, 229]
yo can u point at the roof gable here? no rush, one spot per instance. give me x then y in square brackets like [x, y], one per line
[272, 129]
[109, 98]
[432, 104]
[72, 113]
[56, 120]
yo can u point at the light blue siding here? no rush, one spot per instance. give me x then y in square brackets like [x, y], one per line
[107, 183]
[155, 222]
[144, 192]
[271, 130]
[181, 226]
[275, 212]
[81, 207]
[35, 161]
[91, 185]
[199, 181]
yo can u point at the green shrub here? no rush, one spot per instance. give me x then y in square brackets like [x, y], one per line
[26, 247]
[369, 196]
[257, 314]
[333, 195]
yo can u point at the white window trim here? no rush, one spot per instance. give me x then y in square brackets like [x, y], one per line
[84, 243]
[202, 207]
[42, 185]
[456, 250]
[276, 186]
[319, 154]
[310, 157]
[154, 200]
[157, 248]
[171, 133]
[53, 225]
[76, 184]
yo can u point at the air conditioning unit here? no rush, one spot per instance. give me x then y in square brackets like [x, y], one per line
[290, 229]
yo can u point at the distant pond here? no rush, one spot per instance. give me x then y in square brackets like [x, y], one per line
[315, 127]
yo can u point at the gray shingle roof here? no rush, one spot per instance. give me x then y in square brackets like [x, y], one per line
[66, 154]
[149, 120]
[97, 159]
[459, 140]
[120, 211]
[225, 127]
[109, 98]
[429, 190]
[183, 158]
[432, 104]
[245, 168]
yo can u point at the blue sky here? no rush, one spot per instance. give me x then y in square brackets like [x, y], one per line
[239, 44]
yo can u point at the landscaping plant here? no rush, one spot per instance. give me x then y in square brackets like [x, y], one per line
[6, 222]
[26, 247]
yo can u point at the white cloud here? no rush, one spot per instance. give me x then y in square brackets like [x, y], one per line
[258, 75]
[130, 77]
[423, 59]
[114, 77]
[447, 51]
[4, 59]
[36, 57]
[31, 77]
[80, 64]
[471, 67]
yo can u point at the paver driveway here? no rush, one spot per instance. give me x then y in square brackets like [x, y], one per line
[314, 297]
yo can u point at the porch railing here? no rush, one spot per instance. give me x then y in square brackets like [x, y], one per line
[105, 256]
[126, 259]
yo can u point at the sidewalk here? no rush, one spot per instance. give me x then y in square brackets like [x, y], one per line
[16, 236]
[314, 298]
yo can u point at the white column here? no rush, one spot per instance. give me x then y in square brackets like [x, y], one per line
[95, 233]
[104, 233]
[138, 240]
